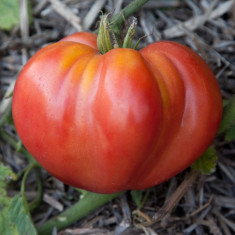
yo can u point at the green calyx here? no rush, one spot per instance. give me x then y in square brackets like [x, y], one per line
[108, 40]
[104, 40]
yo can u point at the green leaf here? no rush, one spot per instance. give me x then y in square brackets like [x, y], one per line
[230, 133]
[6, 174]
[137, 197]
[14, 219]
[9, 14]
[206, 164]
[228, 120]
[20, 217]
[14, 216]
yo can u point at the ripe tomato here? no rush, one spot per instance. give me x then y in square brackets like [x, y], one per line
[122, 120]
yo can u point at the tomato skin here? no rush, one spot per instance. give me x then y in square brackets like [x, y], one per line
[122, 120]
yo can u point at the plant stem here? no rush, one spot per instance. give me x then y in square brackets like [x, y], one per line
[37, 201]
[118, 19]
[23, 184]
[83, 207]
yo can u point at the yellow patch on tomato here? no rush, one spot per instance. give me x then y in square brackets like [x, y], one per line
[71, 53]
[90, 74]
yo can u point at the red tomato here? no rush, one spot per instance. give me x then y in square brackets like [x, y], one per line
[122, 120]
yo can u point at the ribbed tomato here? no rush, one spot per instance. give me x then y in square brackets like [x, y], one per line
[123, 120]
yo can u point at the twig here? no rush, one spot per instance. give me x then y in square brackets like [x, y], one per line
[202, 207]
[5, 105]
[53, 202]
[173, 200]
[225, 220]
[197, 21]
[66, 13]
[93, 12]
[24, 21]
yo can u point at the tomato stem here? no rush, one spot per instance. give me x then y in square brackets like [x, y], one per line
[103, 40]
[23, 185]
[83, 207]
[37, 201]
[118, 20]
[109, 33]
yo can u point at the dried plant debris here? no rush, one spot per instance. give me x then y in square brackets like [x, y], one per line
[208, 27]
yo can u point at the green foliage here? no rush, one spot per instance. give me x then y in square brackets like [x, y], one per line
[14, 219]
[5, 176]
[9, 14]
[14, 216]
[230, 133]
[206, 164]
[227, 125]
[137, 197]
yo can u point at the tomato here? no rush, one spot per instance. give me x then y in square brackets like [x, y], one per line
[123, 120]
